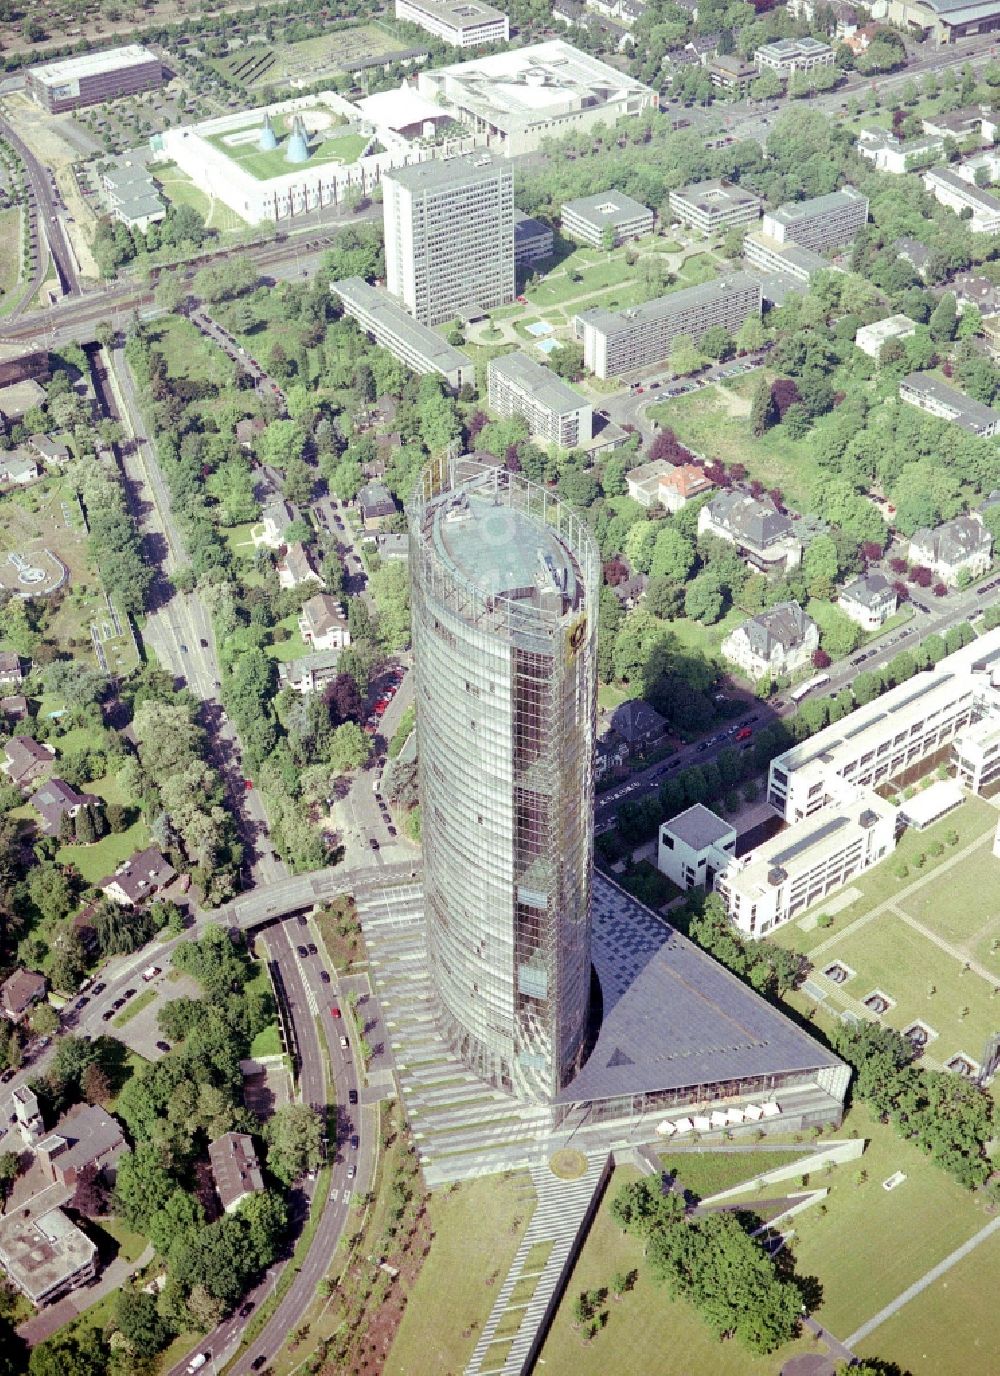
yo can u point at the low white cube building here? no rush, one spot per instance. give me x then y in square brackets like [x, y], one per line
[694, 847]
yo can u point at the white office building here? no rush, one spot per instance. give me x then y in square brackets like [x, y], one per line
[462, 23]
[520, 97]
[807, 861]
[695, 847]
[615, 342]
[554, 412]
[787, 55]
[589, 218]
[976, 754]
[713, 206]
[418, 346]
[870, 338]
[449, 237]
[897, 731]
[949, 189]
[940, 399]
[820, 223]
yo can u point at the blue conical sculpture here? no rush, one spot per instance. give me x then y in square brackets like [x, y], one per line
[267, 140]
[298, 144]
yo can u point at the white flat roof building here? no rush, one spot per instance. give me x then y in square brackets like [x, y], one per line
[588, 218]
[304, 187]
[939, 398]
[878, 741]
[806, 862]
[786, 55]
[555, 413]
[870, 338]
[928, 804]
[694, 847]
[951, 190]
[520, 97]
[787, 258]
[976, 753]
[449, 236]
[616, 342]
[462, 23]
[821, 222]
[715, 205]
[416, 345]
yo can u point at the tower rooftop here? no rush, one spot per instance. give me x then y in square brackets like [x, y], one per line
[501, 551]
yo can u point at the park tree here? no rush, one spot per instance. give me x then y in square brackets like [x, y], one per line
[763, 411]
[349, 748]
[294, 1137]
[139, 1322]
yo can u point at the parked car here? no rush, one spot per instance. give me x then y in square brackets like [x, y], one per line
[352, 1096]
[324, 977]
[163, 1046]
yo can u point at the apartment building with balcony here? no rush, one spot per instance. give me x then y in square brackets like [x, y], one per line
[554, 411]
[616, 342]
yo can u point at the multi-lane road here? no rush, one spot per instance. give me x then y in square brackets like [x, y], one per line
[956, 608]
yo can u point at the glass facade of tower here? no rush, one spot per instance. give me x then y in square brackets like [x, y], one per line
[504, 607]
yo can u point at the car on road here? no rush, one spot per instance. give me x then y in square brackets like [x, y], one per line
[324, 977]
[344, 1043]
[352, 1096]
[198, 1361]
[203, 644]
[335, 1010]
[184, 649]
[246, 1309]
[351, 1172]
[312, 948]
[258, 1362]
[373, 842]
[391, 829]
[354, 1141]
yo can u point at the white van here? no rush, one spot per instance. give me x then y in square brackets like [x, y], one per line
[150, 973]
[197, 1361]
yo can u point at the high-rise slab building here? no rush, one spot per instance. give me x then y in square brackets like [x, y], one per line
[504, 605]
[449, 236]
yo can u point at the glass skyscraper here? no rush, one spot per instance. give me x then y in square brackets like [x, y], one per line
[504, 583]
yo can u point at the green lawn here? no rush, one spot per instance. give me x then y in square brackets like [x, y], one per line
[477, 1228]
[702, 421]
[343, 148]
[103, 857]
[10, 249]
[646, 1331]
[131, 1245]
[133, 1009]
[240, 541]
[611, 695]
[951, 1327]
[708, 1172]
[926, 982]
[179, 189]
[267, 1043]
[872, 1243]
[188, 353]
[292, 648]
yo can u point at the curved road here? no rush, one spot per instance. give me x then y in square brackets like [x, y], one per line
[45, 215]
